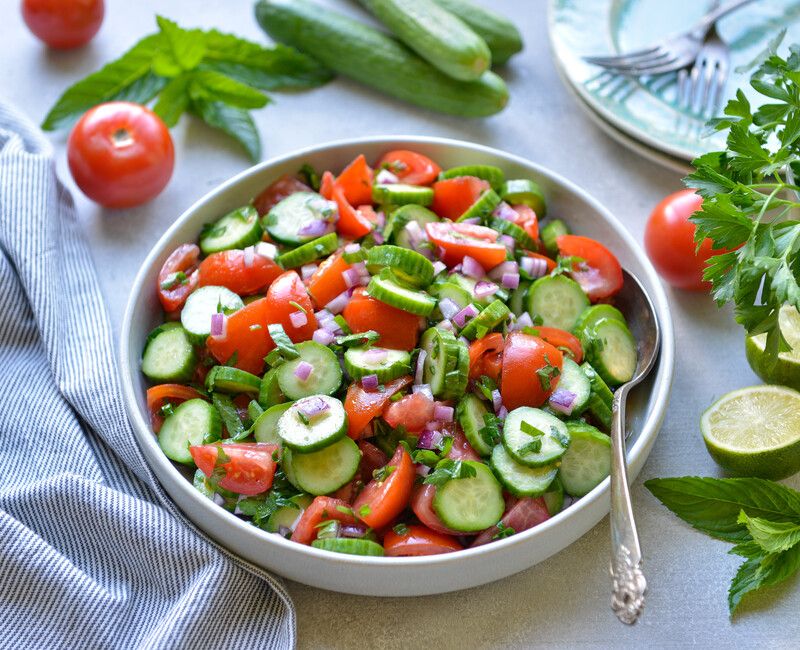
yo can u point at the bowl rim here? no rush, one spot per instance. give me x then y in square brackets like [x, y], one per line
[646, 436]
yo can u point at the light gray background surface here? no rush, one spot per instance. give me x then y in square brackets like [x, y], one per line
[563, 601]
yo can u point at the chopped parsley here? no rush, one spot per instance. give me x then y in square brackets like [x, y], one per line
[547, 373]
[167, 409]
[490, 431]
[503, 531]
[173, 280]
[284, 349]
[360, 338]
[400, 529]
[383, 473]
[447, 470]
[298, 306]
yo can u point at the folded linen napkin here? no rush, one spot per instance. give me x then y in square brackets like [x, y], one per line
[93, 554]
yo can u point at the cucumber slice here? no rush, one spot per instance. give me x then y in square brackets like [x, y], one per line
[550, 233]
[486, 321]
[325, 471]
[451, 291]
[254, 410]
[601, 413]
[401, 194]
[599, 387]
[229, 413]
[407, 265]
[556, 301]
[519, 298]
[362, 361]
[401, 217]
[612, 351]
[388, 290]
[575, 381]
[470, 504]
[587, 462]
[225, 379]
[236, 229]
[483, 207]
[309, 433]
[520, 480]
[493, 175]
[265, 428]
[524, 191]
[446, 366]
[349, 546]
[195, 422]
[325, 378]
[513, 230]
[201, 304]
[286, 465]
[554, 439]
[470, 412]
[169, 355]
[287, 219]
[554, 497]
[590, 317]
[287, 516]
[270, 393]
[468, 284]
[309, 251]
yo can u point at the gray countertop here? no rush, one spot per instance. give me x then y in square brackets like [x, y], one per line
[564, 600]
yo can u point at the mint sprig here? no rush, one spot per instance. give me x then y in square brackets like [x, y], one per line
[761, 518]
[214, 76]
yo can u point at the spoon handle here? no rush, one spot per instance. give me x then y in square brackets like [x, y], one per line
[628, 582]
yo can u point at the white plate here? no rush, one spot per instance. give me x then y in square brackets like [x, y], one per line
[393, 576]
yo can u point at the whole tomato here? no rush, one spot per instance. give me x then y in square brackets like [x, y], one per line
[120, 154]
[63, 24]
[669, 241]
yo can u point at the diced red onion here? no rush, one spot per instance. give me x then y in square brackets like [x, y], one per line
[448, 307]
[455, 269]
[535, 267]
[484, 289]
[510, 280]
[508, 241]
[464, 340]
[370, 382]
[472, 221]
[331, 326]
[380, 215]
[438, 267]
[385, 177]
[497, 400]
[265, 249]
[376, 355]
[323, 315]
[351, 277]
[337, 305]
[352, 248]
[443, 413]
[298, 319]
[472, 267]
[563, 401]
[378, 237]
[469, 312]
[523, 321]
[322, 336]
[425, 389]
[315, 228]
[505, 211]
[352, 530]
[307, 270]
[361, 268]
[420, 366]
[423, 470]
[311, 406]
[502, 413]
[445, 325]
[219, 326]
[506, 267]
[429, 437]
[416, 234]
[283, 531]
[249, 256]
[303, 371]
[220, 500]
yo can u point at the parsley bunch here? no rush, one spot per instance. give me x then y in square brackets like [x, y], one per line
[215, 76]
[749, 199]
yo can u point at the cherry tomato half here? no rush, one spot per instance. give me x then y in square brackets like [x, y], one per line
[274, 193]
[419, 540]
[63, 24]
[120, 154]
[382, 500]
[398, 329]
[249, 469]
[525, 379]
[229, 269]
[178, 277]
[460, 239]
[410, 167]
[454, 196]
[600, 274]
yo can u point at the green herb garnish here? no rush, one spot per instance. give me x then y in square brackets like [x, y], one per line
[447, 470]
[503, 531]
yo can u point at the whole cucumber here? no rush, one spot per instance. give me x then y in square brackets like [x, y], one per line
[500, 34]
[374, 59]
[437, 35]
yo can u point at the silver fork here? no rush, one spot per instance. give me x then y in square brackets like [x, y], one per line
[673, 53]
[700, 89]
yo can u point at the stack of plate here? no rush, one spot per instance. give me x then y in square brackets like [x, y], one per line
[643, 113]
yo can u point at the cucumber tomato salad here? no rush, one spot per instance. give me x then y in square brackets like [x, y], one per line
[393, 360]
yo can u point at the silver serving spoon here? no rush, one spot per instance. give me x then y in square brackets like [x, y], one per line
[628, 582]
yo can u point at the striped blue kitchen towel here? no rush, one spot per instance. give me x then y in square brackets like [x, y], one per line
[92, 552]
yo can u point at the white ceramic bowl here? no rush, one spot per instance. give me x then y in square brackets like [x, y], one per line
[394, 576]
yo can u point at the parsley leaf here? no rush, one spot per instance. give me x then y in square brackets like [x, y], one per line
[400, 529]
[382, 473]
[284, 346]
[447, 470]
[503, 531]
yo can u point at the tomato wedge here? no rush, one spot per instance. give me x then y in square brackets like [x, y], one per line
[524, 514]
[418, 540]
[412, 411]
[422, 505]
[246, 336]
[562, 340]
[454, 196]
[601, 274]
[461, 449]
[382, 500]
[282, 293]
[527, 220]
[328, 281]
[460, 239]
[321, 509]
[399, 329]
[173, 393]
[285, 186]
[372, 458]
[351, 222]
[356, 181]
[249, 470]
[410, 167]
[174, 290]
[228, 269]
[525, 379]
[326, 185]
[362, 406]
[486, 356]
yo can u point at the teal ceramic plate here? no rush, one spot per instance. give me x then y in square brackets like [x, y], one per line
[646, 109]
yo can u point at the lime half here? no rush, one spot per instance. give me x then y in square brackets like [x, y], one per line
[786, 369]
[755, 431]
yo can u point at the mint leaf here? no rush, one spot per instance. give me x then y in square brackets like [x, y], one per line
[127, 78]
[173, 100]
[712, 505]
[214, 86]
[236, 122]
[771, 536]
[179, 49]
[762, 571]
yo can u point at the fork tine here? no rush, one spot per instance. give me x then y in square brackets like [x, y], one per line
[710, 74]
[719, 87]
[695, 92]
[683, 88]
[626, 59]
